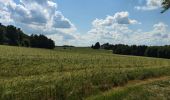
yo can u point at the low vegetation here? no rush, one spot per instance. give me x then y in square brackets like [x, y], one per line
[153, 89]
[70, 73]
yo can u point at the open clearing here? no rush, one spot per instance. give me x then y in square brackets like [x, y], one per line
[72, 73]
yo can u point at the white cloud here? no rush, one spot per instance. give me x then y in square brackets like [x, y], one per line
[159, 35]
[123, 18]
[37, 17]
[42, 16]
[160, 27]
[59, 21]
[119, 18]
[114, 31]
[37, 12]
[150, 5]
[5, 17]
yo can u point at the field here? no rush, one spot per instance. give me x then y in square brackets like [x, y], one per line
[75, 74]
[150, 89]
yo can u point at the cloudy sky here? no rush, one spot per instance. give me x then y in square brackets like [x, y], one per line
[84, 22]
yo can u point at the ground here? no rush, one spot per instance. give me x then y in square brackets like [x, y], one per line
[78, 73]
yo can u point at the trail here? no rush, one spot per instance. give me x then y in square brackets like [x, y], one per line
[146, 81]
[140, 82]
[133, 83]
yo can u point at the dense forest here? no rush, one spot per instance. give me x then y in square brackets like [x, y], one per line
[141, 50]
[10, 35]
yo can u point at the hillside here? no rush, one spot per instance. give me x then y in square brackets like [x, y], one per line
[150, 89]
[70, 73]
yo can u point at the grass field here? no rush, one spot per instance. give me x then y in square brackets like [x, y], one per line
[150, 89]
[72, 73]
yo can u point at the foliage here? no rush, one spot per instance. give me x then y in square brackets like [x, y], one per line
[41, 41]
[142, 50]
[126, 49]
[10, 35]
[160, 52]
[96, 46]
[165, 5]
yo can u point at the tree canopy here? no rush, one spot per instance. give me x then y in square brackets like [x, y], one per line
[96, 46]
[10, 35]
[141, 50]
[165, 5]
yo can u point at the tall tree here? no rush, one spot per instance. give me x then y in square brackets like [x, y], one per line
[12, 35]
[2, 35]
[41, 41]
[20, 37]
[165, 5]
[97, 46]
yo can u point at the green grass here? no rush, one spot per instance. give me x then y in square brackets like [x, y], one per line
[156, 90]
[70, 74]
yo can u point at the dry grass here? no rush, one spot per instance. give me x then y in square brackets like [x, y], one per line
[69, 74]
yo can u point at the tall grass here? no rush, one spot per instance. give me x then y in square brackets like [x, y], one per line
[69, 74]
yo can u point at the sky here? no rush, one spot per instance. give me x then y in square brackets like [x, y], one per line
[85, 22]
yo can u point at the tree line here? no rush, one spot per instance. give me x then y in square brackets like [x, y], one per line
[141, 50]
[10, 35]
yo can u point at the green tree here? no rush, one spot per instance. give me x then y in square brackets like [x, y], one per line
[41, 41]
[51, 44]
[12, 35]
[165, 5]
[2, 35]
[97, 46]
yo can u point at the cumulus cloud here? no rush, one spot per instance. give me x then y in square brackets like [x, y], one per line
[37, 12]
[150, 5]
[59, 21]
[159, 35]
[75, 39]
[43, 16]
[38, 17]
[118, 18]
[123, 18]
[160, 27]
[113, 29]
[116, 31]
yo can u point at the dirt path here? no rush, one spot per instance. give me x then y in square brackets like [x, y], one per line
[133, 84]
[140, 82]
[147, 81]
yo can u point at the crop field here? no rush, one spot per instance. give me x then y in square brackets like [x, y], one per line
[152, 89]
[71, 73]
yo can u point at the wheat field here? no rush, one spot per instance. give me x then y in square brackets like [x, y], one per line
[70, 73]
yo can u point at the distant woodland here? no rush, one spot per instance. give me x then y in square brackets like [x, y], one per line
[141, 50]
[10, 35]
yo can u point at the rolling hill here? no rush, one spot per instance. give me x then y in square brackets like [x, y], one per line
[73, 73]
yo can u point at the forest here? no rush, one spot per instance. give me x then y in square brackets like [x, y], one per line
[141, 50]
[13, 36]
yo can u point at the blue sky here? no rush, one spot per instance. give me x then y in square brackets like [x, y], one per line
[83, 12]
[84, 22]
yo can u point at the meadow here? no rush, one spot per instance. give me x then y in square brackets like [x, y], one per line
[150, 89]
[70, 73]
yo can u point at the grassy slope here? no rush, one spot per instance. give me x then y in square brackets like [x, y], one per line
[74, 73]
[150, 89]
